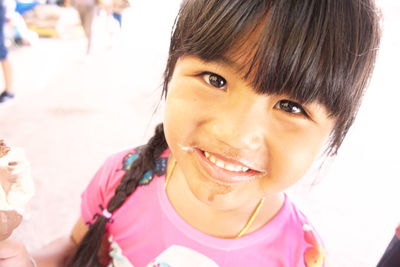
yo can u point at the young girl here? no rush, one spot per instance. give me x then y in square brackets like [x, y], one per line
[255, 90]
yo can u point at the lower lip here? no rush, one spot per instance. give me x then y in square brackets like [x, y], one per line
[222, 175]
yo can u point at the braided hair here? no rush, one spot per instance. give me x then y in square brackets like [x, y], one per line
[88, 250]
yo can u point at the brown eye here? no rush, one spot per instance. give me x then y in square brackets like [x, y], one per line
[290, 107]
[214, 80]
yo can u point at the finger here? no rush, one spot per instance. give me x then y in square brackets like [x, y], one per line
[9, 220]
[10, 248]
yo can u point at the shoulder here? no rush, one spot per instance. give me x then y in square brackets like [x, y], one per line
[116, 160]
[122, 160]
[309, 242]
[116, 165]
[108, 176]
[102, 186]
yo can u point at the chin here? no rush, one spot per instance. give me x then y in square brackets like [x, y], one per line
[212, 194]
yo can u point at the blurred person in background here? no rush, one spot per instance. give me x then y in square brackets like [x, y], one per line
[6, 94]
[112, 11]
[16, 31]
[118, 7]
[87, 10]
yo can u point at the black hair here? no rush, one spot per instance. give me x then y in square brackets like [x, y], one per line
[311, 50]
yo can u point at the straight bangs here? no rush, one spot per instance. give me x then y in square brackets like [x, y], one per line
[311, 50]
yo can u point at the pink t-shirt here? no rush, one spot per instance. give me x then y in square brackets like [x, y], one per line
[147, 225]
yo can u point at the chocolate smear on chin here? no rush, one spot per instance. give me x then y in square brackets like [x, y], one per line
[215, 191]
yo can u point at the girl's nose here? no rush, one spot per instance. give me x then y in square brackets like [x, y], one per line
[240, 128]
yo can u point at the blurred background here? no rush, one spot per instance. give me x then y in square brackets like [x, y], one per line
[72, 109]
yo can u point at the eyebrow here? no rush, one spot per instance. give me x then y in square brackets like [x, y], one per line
[226, 62]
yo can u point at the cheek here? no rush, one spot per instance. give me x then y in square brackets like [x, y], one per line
[291, 156]
[287, 168]
[185, 107]
[179, 119]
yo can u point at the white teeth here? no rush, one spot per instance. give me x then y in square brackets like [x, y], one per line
[220, 164]
[224, 165]
[212, 159]
[238, 168]
[231, 167]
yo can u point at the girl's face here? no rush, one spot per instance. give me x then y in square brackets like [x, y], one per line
[232, 145]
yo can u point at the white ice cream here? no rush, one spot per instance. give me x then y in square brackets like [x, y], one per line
[17, 186]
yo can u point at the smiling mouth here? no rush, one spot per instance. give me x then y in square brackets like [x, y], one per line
[225, 165]
[226, 170]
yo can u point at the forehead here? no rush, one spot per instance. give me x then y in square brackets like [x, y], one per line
[242, 54]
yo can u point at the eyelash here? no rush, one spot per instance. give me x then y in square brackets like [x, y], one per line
[291, 104]
[204, 75]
